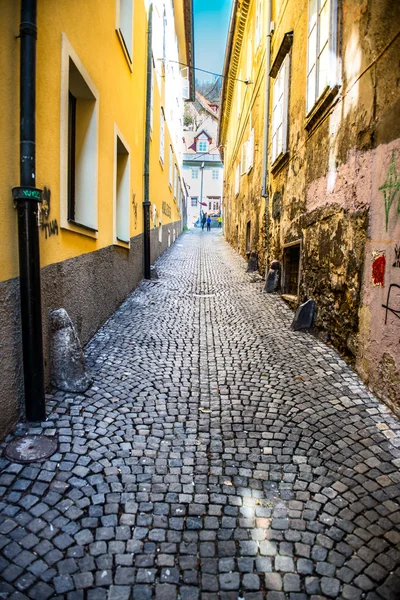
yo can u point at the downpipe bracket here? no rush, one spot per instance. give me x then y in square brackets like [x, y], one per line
[27, 193]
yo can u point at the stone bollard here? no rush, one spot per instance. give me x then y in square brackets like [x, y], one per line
[273, 278]
[304, 317]
[68, 370]
[252, 264]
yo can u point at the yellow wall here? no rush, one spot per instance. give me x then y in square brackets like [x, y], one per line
[122, 92]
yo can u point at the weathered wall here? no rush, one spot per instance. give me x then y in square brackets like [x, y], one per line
[90, 287]
[328, 191]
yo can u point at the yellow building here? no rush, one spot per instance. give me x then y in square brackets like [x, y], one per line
[90, 159]
[311, 145]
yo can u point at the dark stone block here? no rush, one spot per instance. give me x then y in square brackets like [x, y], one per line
[273, 277]
[304, 316]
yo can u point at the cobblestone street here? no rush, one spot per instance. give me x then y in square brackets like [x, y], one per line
[218, 455]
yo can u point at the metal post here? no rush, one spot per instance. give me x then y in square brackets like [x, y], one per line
[146, 203]
[201, 190]
[27, 198]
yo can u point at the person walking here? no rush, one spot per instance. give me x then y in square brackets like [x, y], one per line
[208, 223]
[219, 221]
[203, 221]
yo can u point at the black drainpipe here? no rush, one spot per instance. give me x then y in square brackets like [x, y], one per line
[27, 198]
[146, 203]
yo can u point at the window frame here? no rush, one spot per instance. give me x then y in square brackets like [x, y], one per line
[68, 54]
[162, 136]
[118, 240]
[282, 77]
[199, 143]
[126, 44]
[331, 45]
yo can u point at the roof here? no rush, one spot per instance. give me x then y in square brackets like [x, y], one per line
[207, 105]
[231, 63]
[189, 29]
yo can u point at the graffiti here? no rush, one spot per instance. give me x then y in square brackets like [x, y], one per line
[49, 227]
[134, 209]
[390, 189]
[388, 306]
[166, 209]
[378, 268]
[397, 255]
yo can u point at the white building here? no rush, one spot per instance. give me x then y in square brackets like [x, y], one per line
[202, 166]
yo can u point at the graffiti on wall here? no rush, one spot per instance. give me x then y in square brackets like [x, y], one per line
[378, 268]
[397, 256]
[49, 226]
[134, 209]
[390, 190]
[393, 301]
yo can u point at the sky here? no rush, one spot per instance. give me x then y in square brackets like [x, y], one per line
[211, 21]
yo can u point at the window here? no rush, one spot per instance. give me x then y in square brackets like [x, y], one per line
[171, 166]
[259, 22]
[209, 205]
[124, 26]
[81, 144]
[195, 173]
[202, 146]
[280, 110]
[216, 205]
[250, 151]
[237, 180]
[162, 125]
[215, 174]
[122, 187]
[176, 180]
[321, 61]
[194, 200]
[248, 236]
[152, 96]
[243, 162]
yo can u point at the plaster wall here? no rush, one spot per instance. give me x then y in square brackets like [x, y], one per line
[90, 287]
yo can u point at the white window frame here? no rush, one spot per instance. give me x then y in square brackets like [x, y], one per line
[195, 173]
[250, 151]
[317, 83]
[237, 179]
[121, 193]
[243, 162]
[171, 167]
[199, 143]
[89, 225]
[176, 181]
[124, 27]
[259, 22]
[280, 109]
[194, 200]
[162, 134]
[215, 174]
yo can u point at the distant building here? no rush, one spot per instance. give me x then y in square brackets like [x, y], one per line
[202, 166]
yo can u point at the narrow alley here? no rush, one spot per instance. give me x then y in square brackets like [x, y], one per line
[218, 455]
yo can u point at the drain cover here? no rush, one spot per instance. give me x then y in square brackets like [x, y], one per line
[31, 448]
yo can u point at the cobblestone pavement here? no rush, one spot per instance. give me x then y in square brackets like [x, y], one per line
[217, 455]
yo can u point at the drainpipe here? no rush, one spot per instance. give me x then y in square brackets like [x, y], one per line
[26, 199]
[146, 203]
[264, 191]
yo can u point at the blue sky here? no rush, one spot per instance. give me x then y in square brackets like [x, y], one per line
[211, 20]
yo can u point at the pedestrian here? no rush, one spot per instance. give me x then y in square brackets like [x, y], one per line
[203, 221]
[219, 221]
[208, 223]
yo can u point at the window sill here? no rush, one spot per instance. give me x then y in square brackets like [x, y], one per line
[124, 50]
[320, 107]
[121, 244]
[280, 161]
[75, 227]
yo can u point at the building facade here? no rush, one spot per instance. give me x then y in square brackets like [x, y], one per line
[315, 82]
[90, 160]
[202, 164]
